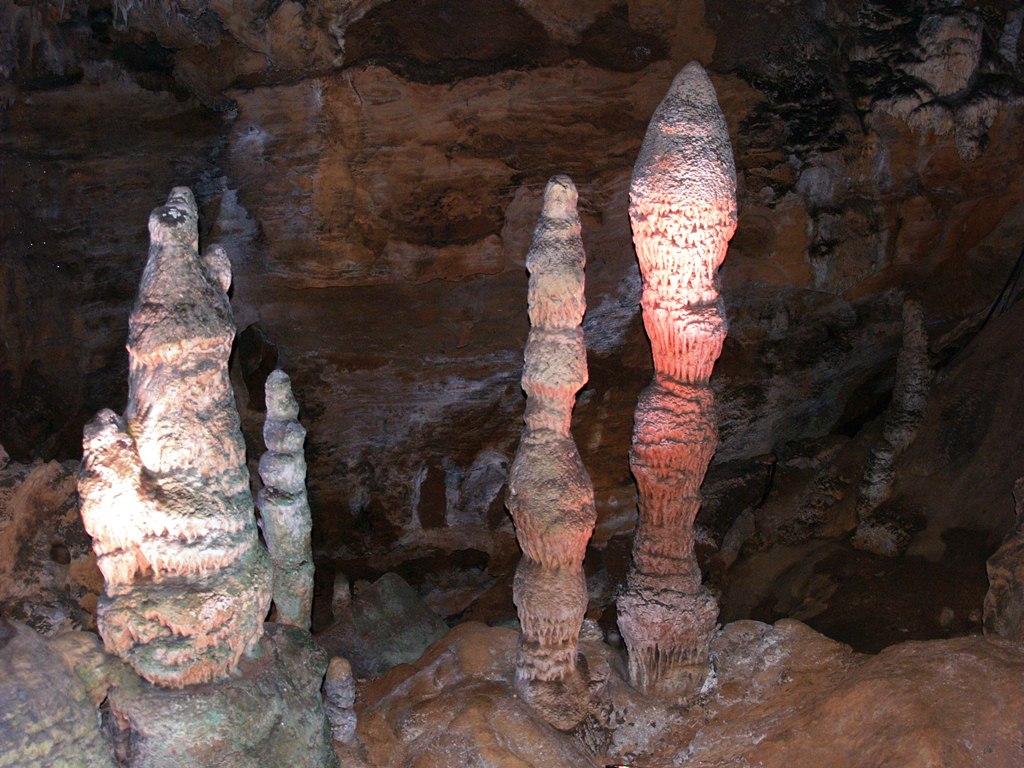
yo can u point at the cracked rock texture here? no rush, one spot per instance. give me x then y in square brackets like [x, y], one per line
[375, 168]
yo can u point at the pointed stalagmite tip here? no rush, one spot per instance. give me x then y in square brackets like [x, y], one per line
[177, 220]
[686, 155]
[560, 198]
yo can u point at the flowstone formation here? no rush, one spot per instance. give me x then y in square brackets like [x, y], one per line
[683, 212]
[550, 495]
[284, 509]
[164, 489]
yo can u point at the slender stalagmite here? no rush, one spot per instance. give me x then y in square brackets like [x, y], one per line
[683, 211]
[550, 495]
[881, 536]
[164, 489]
[284, 509]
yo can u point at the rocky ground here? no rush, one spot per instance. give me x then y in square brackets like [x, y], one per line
[781, 695]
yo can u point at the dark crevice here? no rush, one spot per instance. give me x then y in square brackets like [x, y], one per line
[440, 41]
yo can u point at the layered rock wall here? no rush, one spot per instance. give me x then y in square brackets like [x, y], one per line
[401, 176]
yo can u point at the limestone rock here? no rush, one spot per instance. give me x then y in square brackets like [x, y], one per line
[848, 211]
[683, 212]
[385, 623]
[781, 695]
[284, 508]
[1004, 602]
[165, 489]
[902, 419]
[946, 69]
[268, 714]
[811, 702]
[340, 699]
[48, 573]
[463, 692]
[48, 717]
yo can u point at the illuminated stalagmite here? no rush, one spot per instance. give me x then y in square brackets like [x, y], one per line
[683, 212]
[550, 495]
[164, 489]
[284, 509]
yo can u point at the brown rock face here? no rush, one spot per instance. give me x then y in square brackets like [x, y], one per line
[165, 490]
[48, 574]
[683, 210]
[549, 492]
[783, 696]
[1004, 601]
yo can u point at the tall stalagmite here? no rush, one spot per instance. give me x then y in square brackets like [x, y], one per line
[683, 212]
[164, 489]
[284, 508]
[878, 533]
[550, 495]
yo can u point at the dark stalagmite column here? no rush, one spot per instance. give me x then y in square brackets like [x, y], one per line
[683, 211]
[284, 508]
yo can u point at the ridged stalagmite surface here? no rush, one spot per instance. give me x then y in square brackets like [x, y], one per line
[284, 508]
[550, 495]
[164, 489]
[683, 212]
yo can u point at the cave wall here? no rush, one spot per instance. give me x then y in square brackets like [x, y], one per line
[375, 168]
